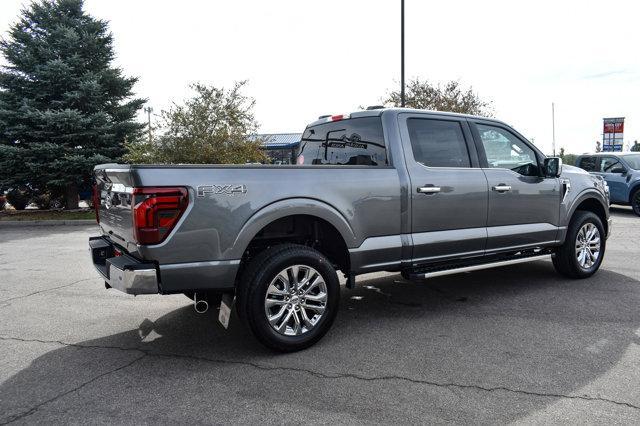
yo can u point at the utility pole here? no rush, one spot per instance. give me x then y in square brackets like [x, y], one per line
[148, 110]
[553, 127]
[402, 53]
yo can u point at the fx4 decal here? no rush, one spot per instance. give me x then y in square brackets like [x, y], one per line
[211, 190]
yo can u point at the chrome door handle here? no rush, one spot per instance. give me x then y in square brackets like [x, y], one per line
[428, 189]
[502, 188]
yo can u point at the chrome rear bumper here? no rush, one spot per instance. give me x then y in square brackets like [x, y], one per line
[123, 272]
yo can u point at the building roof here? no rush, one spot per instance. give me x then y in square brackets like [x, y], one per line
[279, 140]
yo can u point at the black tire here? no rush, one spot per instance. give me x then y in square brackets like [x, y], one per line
[565, 259]
[255, 281]
[635, 201]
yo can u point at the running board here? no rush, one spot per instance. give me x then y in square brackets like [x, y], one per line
[479, 267]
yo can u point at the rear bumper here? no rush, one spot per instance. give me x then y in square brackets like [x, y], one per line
[123, 273]
[131, 276]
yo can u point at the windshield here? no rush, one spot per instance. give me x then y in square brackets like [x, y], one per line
[632, 160]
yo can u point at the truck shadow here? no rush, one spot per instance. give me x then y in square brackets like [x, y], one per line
[521, 328]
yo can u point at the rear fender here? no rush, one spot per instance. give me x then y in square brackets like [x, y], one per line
[291, 207]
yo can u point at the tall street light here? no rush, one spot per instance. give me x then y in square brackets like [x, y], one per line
[402, 53]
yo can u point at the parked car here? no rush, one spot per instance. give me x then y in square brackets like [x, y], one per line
[412, 191]
[621, 171]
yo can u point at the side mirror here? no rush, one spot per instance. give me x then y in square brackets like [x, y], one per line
[552, 167]
[619, 169]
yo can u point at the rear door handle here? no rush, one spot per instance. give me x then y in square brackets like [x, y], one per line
[502, 188]
[428, 189]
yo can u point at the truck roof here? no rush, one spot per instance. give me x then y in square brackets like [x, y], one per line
[397, 110]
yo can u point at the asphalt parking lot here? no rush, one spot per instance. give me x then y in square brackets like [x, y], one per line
[515, 344]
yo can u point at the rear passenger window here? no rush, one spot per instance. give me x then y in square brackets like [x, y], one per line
[356, 141]
[438, 143]
[590, 164]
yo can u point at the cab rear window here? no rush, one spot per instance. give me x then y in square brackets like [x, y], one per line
[356, 141]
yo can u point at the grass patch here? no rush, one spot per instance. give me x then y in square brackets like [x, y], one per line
[46, 215]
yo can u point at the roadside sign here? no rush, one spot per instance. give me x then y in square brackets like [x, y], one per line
[612, 134]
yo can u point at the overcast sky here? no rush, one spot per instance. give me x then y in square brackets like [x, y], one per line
[304, 59]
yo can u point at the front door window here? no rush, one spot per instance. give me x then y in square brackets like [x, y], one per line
[505, 151]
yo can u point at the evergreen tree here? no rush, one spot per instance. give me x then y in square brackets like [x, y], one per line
[63, 106]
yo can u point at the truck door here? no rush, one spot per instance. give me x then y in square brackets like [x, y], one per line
[524, 206]
[448, 190]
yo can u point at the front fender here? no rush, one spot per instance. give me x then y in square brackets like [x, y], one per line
[571, 204]
[291, 207]
[635, 186]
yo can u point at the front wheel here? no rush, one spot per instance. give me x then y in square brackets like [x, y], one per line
[635, 202]
[583, 250]
[289, 297]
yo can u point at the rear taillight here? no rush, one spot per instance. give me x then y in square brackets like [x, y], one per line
[96, 202]
[156, 212]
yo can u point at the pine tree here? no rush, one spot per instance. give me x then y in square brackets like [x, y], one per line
[63, 106]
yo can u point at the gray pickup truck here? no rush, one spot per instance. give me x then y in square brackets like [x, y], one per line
[411, 191]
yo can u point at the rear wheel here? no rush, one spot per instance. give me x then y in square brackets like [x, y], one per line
[583, 250]
[289, 297]
[635, 201]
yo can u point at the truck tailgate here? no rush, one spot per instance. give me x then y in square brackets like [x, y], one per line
[115, 187]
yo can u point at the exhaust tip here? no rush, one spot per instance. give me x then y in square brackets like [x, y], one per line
[201, 306]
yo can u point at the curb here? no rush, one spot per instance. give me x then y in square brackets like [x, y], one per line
[24, 223]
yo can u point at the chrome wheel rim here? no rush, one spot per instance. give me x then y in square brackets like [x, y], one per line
[296, 300]
[588, 245]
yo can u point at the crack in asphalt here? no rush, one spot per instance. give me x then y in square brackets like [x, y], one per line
[36, 407]
[45, 290]
[318, 374]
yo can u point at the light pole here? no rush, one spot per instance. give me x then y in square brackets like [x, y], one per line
[402, 53]
[553, 127]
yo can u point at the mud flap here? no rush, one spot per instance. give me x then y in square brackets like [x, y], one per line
[225, 309]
